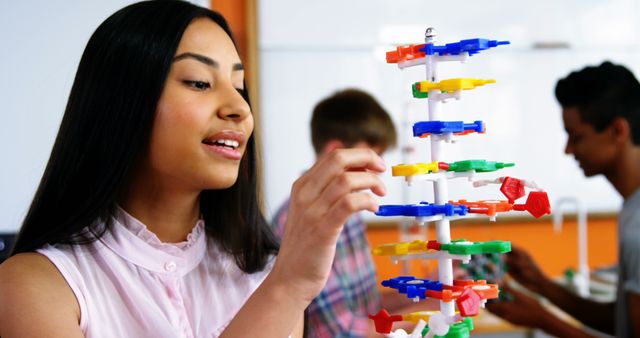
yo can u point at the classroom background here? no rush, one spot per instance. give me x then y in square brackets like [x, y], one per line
[297, 52]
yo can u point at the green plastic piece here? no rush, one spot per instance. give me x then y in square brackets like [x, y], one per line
[457, 330]
[481, 166]
[417, 93]
[496, 247]
[477, 248]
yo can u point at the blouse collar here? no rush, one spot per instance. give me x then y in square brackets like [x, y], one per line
[133, 241]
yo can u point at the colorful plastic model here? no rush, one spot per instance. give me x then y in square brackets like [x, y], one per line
[459, 299]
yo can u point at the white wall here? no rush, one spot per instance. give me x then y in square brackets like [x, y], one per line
[309, 49]
[41, 44]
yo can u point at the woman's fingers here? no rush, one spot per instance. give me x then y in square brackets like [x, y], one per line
[322, 200]
[336, 163]
[351, 182]
[344, 207]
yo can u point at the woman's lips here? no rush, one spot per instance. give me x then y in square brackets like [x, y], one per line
[232, 154]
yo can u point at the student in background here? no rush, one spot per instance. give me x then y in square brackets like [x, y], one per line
[146, 221]
[601, 114]
[348, 119]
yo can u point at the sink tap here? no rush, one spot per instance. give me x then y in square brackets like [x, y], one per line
[581, 279]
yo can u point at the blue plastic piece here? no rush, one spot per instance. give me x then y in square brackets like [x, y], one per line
[421, 210]
[440, 127]
[411, 286]
[471, 46]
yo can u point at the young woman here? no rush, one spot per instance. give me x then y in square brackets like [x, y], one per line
[146, 221]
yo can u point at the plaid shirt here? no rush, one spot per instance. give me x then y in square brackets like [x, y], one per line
[342, 307]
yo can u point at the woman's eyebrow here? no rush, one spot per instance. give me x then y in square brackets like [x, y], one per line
[198, 57]
[205, 59]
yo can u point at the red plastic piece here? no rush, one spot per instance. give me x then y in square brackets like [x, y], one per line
[383, 321]
[513, 188]
[443, 165]
[433, 245]
[468, 303]
[537, 204]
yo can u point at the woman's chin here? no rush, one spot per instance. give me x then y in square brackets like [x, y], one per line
[221, 183]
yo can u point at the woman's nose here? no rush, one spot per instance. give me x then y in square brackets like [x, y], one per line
[235, 106]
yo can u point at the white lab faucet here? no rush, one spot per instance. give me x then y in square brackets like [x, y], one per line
[581, 278]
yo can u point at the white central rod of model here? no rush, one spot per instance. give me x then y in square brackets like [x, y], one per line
[440, 188]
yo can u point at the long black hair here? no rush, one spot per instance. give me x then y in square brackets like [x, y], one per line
[106, 129]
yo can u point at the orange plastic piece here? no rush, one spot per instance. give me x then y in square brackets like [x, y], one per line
[484, 290]
[462, 133]
[405, 53]
[489, 208]
[444, 295]
[487, 293]
[468, 282]
[453, 292]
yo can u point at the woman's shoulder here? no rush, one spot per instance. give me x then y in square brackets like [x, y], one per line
[32, 289]
[28, 270]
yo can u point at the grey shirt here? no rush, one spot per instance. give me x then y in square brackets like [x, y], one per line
[629, 261]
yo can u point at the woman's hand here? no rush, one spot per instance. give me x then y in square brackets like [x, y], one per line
[322, 200]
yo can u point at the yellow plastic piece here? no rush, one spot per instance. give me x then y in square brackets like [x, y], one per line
[392, 249]
[452, 85]
[417, 246]
[415, 317]
[414, 169]
[399, 249]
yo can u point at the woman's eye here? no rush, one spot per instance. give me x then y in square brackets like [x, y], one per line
[199, 85]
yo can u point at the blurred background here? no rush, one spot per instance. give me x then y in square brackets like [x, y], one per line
[298, 52]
